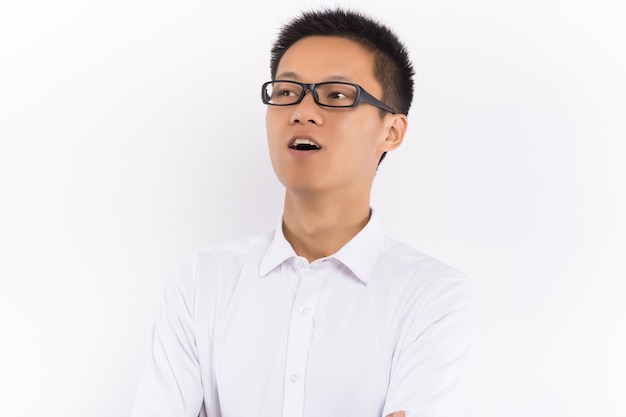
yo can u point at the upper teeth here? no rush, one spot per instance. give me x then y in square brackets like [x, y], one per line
[297, 142]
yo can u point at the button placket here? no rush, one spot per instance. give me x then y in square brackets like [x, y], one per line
[298, 342]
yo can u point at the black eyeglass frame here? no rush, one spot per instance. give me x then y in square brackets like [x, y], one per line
[362, 96]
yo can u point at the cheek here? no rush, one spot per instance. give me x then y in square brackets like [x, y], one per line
[362, 134]
[275, 121]
[271, 130]
[268, 123]
[273, 137]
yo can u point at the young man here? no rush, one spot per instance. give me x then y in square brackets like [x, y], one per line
[326, 316]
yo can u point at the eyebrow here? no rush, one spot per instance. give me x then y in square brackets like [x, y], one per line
[288, 74]
[295, 76]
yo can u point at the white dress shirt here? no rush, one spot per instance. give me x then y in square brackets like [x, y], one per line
[253, 330]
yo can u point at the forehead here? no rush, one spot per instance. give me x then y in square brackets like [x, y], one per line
[323, 58]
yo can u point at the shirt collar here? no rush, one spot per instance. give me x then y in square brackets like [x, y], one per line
[277, 252]
[359, 255]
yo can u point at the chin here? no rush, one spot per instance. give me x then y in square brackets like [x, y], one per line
[304, 186]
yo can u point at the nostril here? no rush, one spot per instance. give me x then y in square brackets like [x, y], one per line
[300, 120]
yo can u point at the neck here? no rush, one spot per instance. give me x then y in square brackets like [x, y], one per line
[317, 227]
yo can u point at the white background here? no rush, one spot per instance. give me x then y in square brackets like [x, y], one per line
[132, 133]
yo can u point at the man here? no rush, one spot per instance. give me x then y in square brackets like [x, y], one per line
[326, 316]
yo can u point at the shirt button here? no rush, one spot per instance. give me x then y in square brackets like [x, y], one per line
[303, 311]
[294, 378]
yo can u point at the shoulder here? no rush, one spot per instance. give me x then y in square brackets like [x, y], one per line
[219, 266]
[422, 276]
[414, 262]
[235, 250]
[210, 265]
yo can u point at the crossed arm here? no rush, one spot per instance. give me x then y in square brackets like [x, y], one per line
[424, 377]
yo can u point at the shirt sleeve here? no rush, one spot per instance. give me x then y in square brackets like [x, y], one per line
[171, 383]
[427, 373]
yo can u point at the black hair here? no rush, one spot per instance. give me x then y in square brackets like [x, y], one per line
[393, 69]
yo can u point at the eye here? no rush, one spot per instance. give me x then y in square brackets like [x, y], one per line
[337, 95]
[285, 92]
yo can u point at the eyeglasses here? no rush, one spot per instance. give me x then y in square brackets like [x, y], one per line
[327, 94]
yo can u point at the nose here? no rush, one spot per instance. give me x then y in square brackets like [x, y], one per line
[307, 111]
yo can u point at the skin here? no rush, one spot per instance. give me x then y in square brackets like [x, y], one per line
[327, 191]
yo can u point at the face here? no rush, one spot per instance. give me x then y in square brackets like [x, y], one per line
[350, 140]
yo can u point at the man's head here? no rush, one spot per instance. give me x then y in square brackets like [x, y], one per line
[329, 121]
[393, 69]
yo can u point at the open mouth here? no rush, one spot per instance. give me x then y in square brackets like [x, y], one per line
[304, 145]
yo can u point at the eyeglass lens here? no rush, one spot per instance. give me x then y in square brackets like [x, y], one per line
[283, 93]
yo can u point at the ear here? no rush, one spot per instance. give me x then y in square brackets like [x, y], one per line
[396, 129]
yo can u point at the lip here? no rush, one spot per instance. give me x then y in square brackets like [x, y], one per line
[308, 137]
